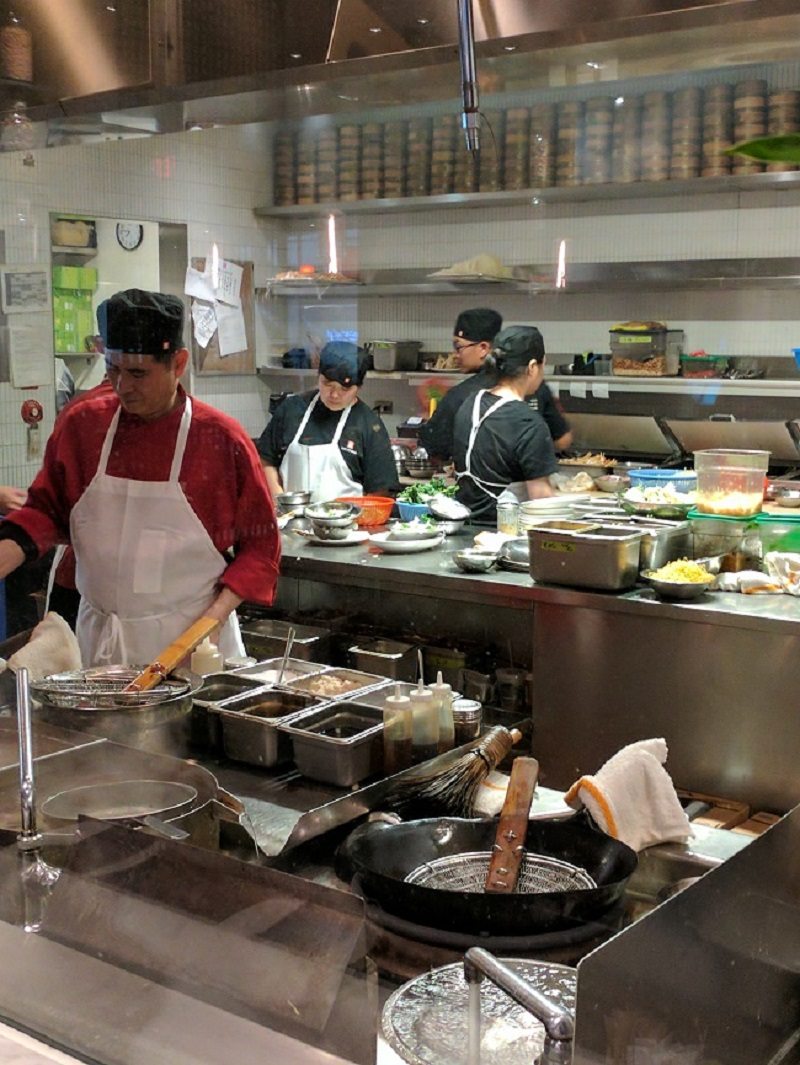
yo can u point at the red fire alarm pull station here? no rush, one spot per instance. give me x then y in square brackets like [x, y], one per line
[32, 413]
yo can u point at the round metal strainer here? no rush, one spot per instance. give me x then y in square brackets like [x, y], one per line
[538, 873]
[103, 688]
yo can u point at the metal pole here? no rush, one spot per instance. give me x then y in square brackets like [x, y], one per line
[29, 835]
[470, 115]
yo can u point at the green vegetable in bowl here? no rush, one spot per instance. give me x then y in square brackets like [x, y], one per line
[422, 491]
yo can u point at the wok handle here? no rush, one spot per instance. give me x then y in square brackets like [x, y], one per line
[509, 843]
[169, 658]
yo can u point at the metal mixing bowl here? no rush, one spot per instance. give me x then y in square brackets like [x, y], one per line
[676, 589]
[334, 515]
[292, 500]
[786, 497]
[470, 560]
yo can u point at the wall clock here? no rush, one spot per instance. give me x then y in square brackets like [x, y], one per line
[130, 235]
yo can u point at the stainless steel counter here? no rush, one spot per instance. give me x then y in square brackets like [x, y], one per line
[716, 677]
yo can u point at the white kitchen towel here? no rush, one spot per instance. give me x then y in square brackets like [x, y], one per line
[632, 797]
[52, 648]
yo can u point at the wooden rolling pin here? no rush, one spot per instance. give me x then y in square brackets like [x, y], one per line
[169, 658]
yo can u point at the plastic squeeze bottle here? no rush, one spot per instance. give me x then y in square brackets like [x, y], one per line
[424, 724]
[396, 732]
[443, 698]
[206, 658]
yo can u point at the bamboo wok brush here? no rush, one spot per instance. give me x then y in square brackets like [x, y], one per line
[169, 658]
[453, 790]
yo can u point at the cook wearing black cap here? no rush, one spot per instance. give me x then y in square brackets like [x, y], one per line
[153, 490]
[328, 441]
[473, 335]
[503, 448]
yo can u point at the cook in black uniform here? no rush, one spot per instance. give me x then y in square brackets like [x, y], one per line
[328, 442]
[503, 448]
[473, 335]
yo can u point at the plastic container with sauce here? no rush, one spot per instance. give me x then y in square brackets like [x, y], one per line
[397, 744]
[207, 658]
[443, 697]
[424, 724]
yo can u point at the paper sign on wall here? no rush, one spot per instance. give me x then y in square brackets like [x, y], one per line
[229, 284]
[204, 321]
[30, 351]
[198, 284]
[232, 333]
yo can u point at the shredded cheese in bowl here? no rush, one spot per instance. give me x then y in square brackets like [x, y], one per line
[683, 571]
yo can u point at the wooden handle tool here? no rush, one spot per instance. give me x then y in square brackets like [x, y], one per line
[169, 658]
[509, 844]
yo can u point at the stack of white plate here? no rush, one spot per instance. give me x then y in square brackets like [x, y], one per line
[552, 508]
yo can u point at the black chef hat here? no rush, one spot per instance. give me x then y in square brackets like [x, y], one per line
[343, 362]
[137, 322]
[517, 345]
[478, 323]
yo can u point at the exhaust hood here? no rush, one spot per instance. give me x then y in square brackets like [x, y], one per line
[169, 65]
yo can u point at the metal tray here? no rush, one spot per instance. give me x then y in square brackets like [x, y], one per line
[389, 658]
[267, 638]
[341, 743]
[606, 558]
[353, 680]
[299, 666]
[250, 724]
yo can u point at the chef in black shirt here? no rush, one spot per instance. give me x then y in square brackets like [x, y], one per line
[328, 442]
[473, 335]
[503, 449]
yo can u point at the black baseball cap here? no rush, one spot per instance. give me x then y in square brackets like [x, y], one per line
[343, 362]
[141, 323]
[518, 344]
[478, 323]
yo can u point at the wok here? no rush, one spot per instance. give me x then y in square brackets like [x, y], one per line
[381, 855]
[149, 802]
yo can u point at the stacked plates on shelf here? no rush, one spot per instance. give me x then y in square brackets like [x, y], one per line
[553, 508]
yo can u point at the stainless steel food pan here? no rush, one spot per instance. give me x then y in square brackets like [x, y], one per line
[606, 558]
[662, 541]
[267, 672]
[206, 730]
[337, 684]
[249, 725]
[267, 639]
[341, 743]
[389, 658]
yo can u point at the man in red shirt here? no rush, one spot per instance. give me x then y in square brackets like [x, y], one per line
[153, 490]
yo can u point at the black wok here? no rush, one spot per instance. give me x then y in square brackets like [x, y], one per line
[381, 856]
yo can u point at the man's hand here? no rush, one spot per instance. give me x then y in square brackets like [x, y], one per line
[11, 498]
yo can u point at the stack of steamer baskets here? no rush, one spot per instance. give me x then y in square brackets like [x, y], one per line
[542, 146]
[568, 143]
[687, 133]
[597, 145]
[783, 116]
[749, 121]
[717, 130]
[655, 136]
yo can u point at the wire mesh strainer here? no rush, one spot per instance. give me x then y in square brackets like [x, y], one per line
[467, 872]
[102, 688]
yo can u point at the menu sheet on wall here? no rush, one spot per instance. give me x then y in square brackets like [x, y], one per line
[24, 289]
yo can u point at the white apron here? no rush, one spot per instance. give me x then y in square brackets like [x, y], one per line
[517, 491]
[146, 567]
[318, 468]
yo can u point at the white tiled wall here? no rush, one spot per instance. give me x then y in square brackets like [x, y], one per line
[211, 180]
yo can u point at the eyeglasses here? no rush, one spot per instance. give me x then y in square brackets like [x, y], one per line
[458, 348]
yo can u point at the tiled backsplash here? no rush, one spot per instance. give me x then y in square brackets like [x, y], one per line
[211, 180]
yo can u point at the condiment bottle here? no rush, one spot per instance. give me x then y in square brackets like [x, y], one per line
[16, 50]
[206, 658]
[424, 724]
[396, 732]
[443, 697]
[467, 714]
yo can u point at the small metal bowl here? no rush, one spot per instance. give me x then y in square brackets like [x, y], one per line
[324, 531]
[612, 482]
[334, 515]
[470, 560]
[411, 530]
[291, 500]
[786, 497]
[450, 527]
[676, 589]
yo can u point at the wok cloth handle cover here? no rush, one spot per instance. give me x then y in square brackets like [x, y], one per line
[509, 844]
[172, 655]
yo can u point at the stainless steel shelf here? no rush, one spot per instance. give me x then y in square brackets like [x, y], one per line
[772, 273]
[580, 194]
[414, 376]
